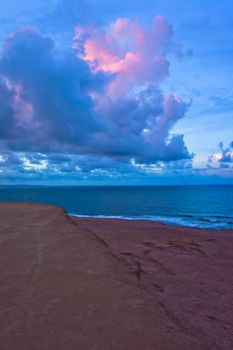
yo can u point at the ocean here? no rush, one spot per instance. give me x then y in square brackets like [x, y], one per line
[194, 206]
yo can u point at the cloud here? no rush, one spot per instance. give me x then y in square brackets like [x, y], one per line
[6, 111]
[135, 54]
[100, 101]
[139, 127]
[49, 91]
[223, 158]
[134, 103]
[18, 166]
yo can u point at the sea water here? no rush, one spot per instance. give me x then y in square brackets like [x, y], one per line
[194, 206]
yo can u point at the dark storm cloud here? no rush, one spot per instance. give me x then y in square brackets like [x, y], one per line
[51, 85]
[139, 128]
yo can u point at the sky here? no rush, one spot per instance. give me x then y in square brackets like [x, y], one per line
[116, 92]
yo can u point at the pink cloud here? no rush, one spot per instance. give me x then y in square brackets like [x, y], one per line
[137, 55]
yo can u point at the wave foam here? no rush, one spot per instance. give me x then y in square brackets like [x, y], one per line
[186, 220]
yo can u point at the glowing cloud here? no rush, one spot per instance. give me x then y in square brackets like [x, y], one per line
[137, 55]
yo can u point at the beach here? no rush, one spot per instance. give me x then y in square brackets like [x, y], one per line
[83, 283]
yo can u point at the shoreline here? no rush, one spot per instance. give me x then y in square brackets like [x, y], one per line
[157, 222]
[70, 283]
[154, 227]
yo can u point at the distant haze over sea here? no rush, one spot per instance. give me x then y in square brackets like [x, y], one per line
[196, 206]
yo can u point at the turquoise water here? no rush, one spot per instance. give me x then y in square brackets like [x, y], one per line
[195, 206]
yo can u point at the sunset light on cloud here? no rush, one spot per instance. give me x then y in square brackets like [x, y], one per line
[136, 55]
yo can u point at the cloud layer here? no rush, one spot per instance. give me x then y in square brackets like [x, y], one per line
[100, 101]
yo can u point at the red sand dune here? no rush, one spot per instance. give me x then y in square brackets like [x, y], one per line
[111, 284]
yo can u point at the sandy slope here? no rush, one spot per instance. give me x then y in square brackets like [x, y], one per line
[62, 286]
[188, 272]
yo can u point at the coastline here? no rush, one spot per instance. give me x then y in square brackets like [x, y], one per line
[88, 283]
[156, 222]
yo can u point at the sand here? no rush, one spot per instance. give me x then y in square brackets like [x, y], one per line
[93, 284]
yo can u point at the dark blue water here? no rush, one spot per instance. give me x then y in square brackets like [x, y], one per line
[196, 206]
